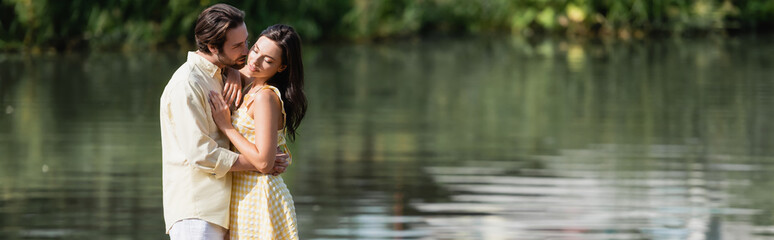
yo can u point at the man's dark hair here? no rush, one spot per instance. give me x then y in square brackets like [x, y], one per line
[213, 23]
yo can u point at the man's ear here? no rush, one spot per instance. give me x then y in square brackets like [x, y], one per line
[282, 68]
[213, 49]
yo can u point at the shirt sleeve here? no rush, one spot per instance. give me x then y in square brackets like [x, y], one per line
[191, 123]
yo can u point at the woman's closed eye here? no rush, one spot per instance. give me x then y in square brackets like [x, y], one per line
[266, 58]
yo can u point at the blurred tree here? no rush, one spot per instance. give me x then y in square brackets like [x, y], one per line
[109, 24]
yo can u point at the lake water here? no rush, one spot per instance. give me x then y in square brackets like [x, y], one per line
[470, 138]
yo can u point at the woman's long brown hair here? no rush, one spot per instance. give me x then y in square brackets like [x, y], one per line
[291, 81]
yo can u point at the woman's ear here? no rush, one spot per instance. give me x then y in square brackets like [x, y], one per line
[282, 68]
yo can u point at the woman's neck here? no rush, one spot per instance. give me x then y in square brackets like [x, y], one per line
[257, 82]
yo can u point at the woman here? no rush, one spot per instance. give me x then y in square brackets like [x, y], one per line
[274, 104]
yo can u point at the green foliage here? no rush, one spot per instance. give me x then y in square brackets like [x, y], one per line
[147, 23]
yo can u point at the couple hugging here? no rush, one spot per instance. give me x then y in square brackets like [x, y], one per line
[210, 191]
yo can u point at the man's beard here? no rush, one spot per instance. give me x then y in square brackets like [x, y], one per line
[233, 64]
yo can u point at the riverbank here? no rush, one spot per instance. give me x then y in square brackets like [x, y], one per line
[57, 26]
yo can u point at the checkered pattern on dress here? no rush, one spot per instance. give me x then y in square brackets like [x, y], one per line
[261, 204]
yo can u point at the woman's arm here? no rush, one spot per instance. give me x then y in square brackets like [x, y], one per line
[266, 113]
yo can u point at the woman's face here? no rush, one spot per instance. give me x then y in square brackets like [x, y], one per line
[265, 59]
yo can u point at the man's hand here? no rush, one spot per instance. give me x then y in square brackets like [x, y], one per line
[280, 163]
[232, 88]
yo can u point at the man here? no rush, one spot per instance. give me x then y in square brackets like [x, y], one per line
[196, 159]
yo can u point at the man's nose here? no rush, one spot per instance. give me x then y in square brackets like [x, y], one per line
[245, 50]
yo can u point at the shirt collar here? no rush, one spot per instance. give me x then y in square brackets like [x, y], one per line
[205, 65]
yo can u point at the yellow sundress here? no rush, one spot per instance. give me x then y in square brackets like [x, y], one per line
[261, 205]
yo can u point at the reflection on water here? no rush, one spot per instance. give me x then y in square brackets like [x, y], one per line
[440, 139]
[581, 194]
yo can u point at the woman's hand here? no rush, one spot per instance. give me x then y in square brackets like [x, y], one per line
[220, 111]
[232, 88]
